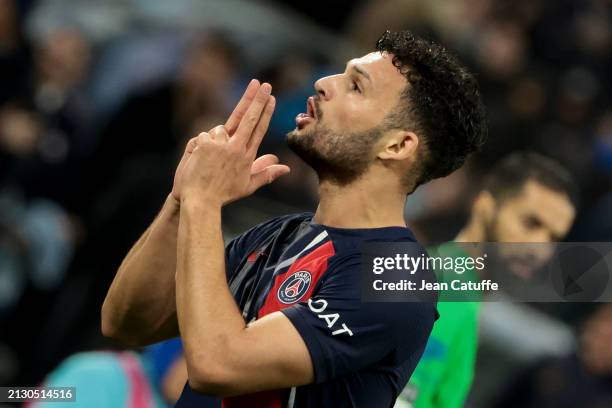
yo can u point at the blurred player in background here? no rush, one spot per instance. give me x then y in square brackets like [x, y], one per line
[108, 379]
[276, 318]
[526, 198]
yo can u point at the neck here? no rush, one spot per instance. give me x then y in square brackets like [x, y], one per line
[361, 204]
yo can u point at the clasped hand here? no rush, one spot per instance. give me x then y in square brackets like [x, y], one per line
[220, 166]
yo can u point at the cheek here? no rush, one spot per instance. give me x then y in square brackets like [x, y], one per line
[509, 227]
[337, 115]
[350, 115]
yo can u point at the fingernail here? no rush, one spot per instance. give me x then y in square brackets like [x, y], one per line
[266, 88]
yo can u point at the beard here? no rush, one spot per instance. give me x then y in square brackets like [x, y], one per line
[340, 158]
[520, 261]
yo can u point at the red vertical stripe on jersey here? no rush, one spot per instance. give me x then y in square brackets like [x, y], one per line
[314, 262]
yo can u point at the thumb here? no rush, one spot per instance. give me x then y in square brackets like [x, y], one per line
[268, 175]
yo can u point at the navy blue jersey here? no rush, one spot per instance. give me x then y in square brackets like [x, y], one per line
[362, 353]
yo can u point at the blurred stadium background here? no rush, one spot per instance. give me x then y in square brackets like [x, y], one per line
[98, 97]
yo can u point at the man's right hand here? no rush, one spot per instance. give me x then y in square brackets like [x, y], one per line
[230, 125]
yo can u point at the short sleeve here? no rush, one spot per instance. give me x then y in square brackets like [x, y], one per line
[344, 334]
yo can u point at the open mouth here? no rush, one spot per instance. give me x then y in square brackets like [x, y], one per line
[304, 118]
[310, 107]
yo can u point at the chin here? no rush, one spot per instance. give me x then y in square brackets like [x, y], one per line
[300, 132]
[293, 134]
[299, 140]
[296, 131]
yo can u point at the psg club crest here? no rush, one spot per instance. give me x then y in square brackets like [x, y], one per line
[294, 287]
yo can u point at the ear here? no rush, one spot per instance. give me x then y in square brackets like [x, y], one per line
[399, 145]
[484, 206]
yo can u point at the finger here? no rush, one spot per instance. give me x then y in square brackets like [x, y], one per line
[262, 162]
[202, 138]
[262, 126]
[219, 133]
[268, 175]
[189, 148]
[251, 118]
[191, 144]
[234, 119]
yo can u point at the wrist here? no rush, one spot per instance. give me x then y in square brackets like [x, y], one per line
[195, 211]
[200, 202]
[172, 204]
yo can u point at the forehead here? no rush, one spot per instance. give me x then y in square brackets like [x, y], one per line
[379, 66]
[554, 209]
[373, 57]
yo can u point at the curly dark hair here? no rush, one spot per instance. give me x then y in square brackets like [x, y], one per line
[441, 103]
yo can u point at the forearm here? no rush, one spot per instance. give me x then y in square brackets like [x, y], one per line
[141, 300]
[209, 319]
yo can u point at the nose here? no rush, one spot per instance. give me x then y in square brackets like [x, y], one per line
[324, 87]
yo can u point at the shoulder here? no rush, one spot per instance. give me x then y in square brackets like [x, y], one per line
[275, 224]
[262, 231]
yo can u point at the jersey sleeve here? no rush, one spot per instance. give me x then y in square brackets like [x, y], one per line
[344, 335]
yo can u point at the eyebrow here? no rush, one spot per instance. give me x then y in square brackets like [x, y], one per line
[359, 70]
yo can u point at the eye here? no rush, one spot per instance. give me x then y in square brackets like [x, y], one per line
[532, 222]
[355, 86]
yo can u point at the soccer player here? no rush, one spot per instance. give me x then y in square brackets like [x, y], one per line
[275, 318]
[527, 197]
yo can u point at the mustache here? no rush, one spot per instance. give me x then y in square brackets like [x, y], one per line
[317, 106]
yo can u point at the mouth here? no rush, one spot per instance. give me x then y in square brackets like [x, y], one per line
[304, 118]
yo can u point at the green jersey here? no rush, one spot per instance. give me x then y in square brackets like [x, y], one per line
[444, 374]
